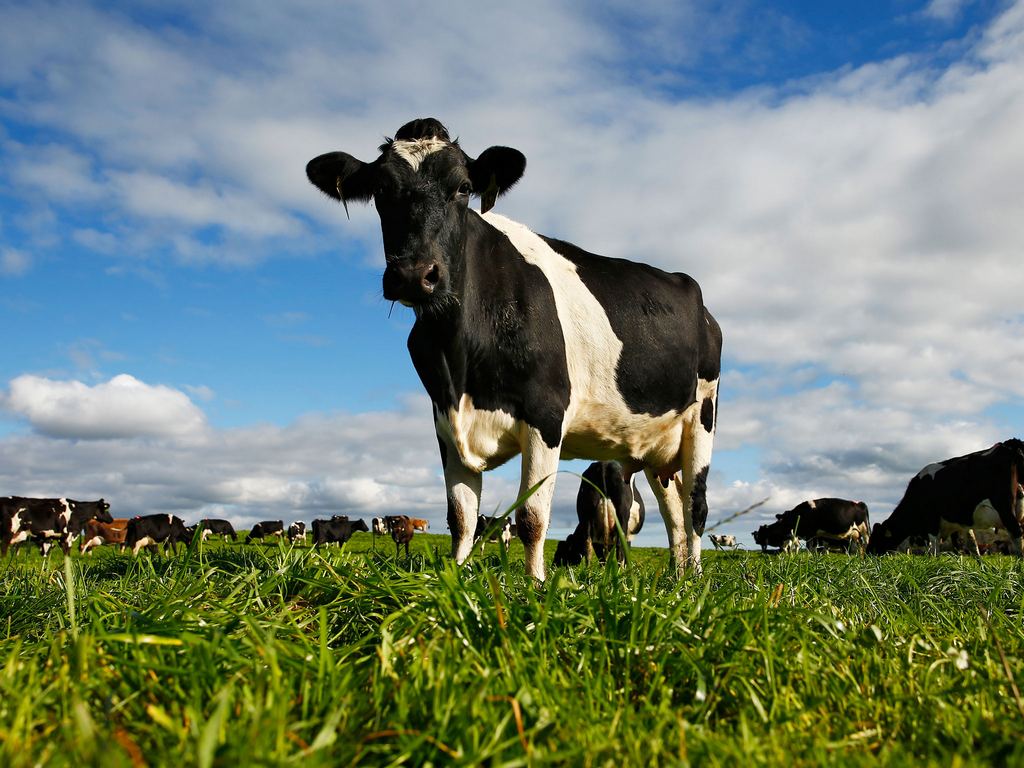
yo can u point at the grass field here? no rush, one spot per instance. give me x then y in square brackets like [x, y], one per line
[235, 655]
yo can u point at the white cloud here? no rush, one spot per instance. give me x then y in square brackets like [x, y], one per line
[121, 407]
[14, 263]
[944, 10]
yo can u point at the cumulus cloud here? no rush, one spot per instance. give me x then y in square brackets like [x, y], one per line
[119, 408]
[364, 464]
[14, 263]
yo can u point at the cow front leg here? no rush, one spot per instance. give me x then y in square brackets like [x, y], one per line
[540, 463]
[462, 486]
[974, 542]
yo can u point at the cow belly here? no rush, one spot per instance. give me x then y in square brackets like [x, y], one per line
[603, 432]
[855, 532]
[984, 516]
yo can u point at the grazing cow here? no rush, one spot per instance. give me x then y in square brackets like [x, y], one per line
[723, 541]
[976, 491]
[97, 533]
[336, 530]
[402, 531]
[217, 527]
[529, 345]
[379, 527]
[493, 529]
[572, 550]
[266, 528]
[604, 498]
[150, 530]
[47, 520]
[420, 524]
[817, 521]
[297, 530]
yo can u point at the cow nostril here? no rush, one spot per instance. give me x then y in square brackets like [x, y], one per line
[432, 277]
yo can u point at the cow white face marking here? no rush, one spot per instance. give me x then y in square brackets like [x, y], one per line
[413, 152]
[66, 514]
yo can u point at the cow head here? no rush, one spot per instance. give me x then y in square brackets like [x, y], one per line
[421, 185]
[883, 539]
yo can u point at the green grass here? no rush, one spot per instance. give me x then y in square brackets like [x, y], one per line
[272, 656]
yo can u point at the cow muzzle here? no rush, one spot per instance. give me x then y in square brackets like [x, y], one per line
[411, 283]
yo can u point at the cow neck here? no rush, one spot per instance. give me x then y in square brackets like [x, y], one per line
[441, 342]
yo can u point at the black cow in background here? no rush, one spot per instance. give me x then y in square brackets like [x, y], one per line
[975, 491]
[819, 522]
[338, 529]
[218, 527]
[265, 528]
[528, 344]
[604, 499]
[150, 530]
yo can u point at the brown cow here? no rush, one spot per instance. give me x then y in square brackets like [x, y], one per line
[97, 533]
[402, 529]
[419, 523]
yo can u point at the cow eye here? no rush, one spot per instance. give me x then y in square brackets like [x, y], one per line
[465, 188]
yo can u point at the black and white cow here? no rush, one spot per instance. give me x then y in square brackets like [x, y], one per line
[297, 530]
[723, 541]
[605, 497]
[217, 527]
[47, 520]
[265, 528]
[818, 521]
[529, 345]
[493, 529]
[976, 491]
[151, 530]
[335, 530]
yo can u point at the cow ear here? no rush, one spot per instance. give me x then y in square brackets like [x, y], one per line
[342, 177]
[494, 173]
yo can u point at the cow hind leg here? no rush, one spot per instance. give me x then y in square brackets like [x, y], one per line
[670, 504]
[540, 463]
[692, 482]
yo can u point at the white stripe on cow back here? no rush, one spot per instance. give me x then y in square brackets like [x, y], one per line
[413, 152]
[597, 415]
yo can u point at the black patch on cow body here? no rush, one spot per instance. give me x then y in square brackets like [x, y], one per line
[668, 337]
[707, 414]
[500, 342]
[699, 500]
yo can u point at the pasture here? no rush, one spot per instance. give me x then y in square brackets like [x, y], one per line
[272, 655]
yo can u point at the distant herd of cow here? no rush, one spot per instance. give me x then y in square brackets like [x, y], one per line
[46, 522]
[977, 498]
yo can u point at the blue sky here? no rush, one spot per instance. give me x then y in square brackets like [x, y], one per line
[188, 326]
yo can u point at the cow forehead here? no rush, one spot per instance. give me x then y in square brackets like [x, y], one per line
[414, 151]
